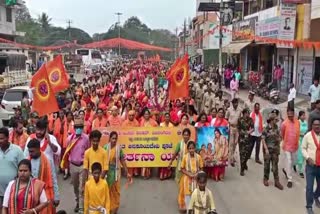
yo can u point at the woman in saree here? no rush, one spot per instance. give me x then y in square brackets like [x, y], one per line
[219, 120]
[24, 195]
[202, 121]
[180, 152]
[303, 131]
[184, 122]
[220, 156]
[116, 160]
[147, 121]
[191, 164]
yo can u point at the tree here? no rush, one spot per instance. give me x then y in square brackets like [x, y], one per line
[23, 14]
[44, 21]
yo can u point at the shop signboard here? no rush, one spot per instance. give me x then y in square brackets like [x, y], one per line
[305, 67]
[268, 28]
[288, 14]
[214, 38]
[243, 29]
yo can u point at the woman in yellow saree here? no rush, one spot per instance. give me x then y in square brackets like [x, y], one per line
[191, 164]
[180, 152]
[116, 160]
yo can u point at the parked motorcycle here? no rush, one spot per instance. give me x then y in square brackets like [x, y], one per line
[274, 93]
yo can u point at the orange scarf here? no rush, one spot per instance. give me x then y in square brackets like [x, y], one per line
[65, 159]
[44, 146]
[19, 140]
[316, 142]
[286, 132]
[61, 138]
[31, 196]
[253, 116]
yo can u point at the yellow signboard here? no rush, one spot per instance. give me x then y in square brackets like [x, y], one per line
[146, 147]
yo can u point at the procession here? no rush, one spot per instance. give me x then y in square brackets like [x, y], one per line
[120, 126]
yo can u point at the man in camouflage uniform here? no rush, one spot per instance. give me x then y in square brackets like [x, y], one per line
[271, 151]
[245, 127]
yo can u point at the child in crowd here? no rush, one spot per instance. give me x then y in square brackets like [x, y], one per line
[202, 199]
[191, 164]
[96, 193]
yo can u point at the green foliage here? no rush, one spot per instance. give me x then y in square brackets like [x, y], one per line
[40, 32]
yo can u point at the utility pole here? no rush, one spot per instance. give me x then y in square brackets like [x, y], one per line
[184, 36]
[220, 37]
[69, 22]
[119, 31]
[176, 43]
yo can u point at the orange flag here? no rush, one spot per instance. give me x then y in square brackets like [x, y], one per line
[44, 100]
[168, 74]
[179, 80]
[57, 74]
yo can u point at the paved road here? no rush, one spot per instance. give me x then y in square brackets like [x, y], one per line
[236, 195]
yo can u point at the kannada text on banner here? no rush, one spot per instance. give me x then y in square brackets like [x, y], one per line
[147, 147]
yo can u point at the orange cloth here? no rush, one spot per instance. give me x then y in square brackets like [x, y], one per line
[97, 123]
[290, 145]
[150, 123]
[114, 121]
[253, 116]
[57, 74]
[61, 137]
[128, 123]
[19, 140]
[33, 196]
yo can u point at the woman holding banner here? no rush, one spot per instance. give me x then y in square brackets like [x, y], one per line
[219, 120]
[220, 155]
[147, 121]
[202, 121]
[116, 160]
[184, 122]
[181, 151]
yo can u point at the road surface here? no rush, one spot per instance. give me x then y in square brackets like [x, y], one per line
[236, 195]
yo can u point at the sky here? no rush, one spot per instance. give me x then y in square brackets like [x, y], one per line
[96, 16]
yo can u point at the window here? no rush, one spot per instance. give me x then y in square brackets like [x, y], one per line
[9, 14]
[13, 95]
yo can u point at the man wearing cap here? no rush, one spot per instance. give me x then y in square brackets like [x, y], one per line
[232, 115]
[73, 157]
[31, 127]
[314, 114]
[17, 116]
[271, 149]
[249, 103]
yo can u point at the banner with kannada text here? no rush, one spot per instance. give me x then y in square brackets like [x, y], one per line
[147, 147]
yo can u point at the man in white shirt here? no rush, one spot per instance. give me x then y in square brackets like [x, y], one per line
[314, 93]
[291, 96]
[309, 147]
[255, 137]
[48, 143]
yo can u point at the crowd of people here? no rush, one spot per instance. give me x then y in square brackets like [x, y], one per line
[134, 94]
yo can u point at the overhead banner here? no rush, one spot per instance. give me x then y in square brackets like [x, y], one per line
[268, 28]
[295, 1]
[247, 27]
[288, 13]
[147, 147]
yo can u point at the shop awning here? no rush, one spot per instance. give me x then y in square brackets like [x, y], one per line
[235, 47]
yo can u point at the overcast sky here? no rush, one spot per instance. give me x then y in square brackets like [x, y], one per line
[96, 16]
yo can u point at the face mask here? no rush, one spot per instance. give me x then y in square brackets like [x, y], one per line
[78, 131]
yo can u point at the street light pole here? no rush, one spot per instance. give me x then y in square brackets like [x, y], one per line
[119, 31]
[220, 37]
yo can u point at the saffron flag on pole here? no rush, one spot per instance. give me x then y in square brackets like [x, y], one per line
[168, 74]
[44, 100]
[57, 74]
[179, 80]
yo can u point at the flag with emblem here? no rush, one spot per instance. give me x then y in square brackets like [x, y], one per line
[177, 62]
[57, 74]
[44, 100]
[179, 79]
